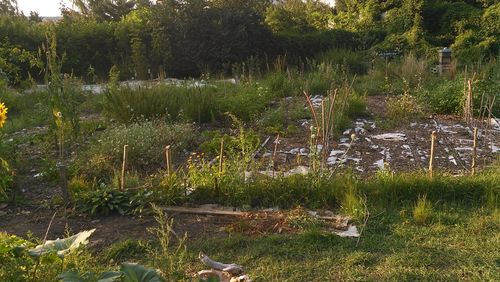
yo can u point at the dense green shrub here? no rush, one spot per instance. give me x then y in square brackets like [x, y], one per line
[167, 102]
[356, 62]
[245, 101]
[146, 142]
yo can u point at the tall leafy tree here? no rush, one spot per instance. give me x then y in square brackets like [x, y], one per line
[106, 10]
[8, 7]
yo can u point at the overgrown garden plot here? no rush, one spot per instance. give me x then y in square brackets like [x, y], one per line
[283, 144]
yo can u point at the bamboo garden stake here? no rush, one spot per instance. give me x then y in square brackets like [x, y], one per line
[474, 152]
[276, 142]
[168, 159]
[124, 165]
[431, 160]
[221, 156]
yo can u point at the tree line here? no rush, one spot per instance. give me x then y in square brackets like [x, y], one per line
[187, 38]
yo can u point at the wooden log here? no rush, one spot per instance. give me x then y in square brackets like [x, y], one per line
[203, 211]
[338, 222]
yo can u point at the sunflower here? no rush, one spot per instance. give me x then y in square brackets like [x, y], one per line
[3, 114]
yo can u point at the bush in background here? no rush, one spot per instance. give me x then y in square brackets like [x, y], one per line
[146, 142]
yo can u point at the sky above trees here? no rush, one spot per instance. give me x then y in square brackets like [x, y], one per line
[45, 8]
[51, 8]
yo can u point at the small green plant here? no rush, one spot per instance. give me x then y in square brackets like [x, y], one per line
[106, 200]
[128, 272]
[403, 109]
[171, 255]
[6, 176]
[14, 259]
[422, 211]
[354, 205]
[124, 250]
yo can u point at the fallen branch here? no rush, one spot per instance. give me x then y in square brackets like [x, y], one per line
[231, 268]
[224, 272]
[341, 221]
[203, 211]
[261, 147]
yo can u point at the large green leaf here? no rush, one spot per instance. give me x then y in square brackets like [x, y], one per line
[71, 276]
[62, 246]
[137, 273]
[74, 276]
[110, 276]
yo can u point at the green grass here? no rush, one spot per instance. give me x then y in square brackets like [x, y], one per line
[392, 248]
[459, 243]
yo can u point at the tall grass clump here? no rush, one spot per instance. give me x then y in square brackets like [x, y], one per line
[405, 187]
[352, 203]
[166, 102]
[422, 211]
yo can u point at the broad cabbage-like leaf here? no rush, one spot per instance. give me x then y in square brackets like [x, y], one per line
[133, 272]
[74, 276]
[62, 246]
[71, 276]
[110, 276]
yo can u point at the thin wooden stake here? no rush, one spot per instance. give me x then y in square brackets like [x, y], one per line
[124, 165]
[275, 150]
[431, 160]
[221, 155]
[469, 103]
[324, 132]
[474, 153]
[168, 159]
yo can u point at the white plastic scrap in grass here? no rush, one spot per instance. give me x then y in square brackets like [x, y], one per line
[452, 160]
[494, 149]
[391, 137]
[62, 246]
[380, 164]
[495, 123]
[352, 231]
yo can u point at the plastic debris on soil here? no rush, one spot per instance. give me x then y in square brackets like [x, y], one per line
[390, 137]
[352, 231]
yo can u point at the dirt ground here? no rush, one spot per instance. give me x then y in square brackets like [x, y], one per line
[401, 148]
[405, 147]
